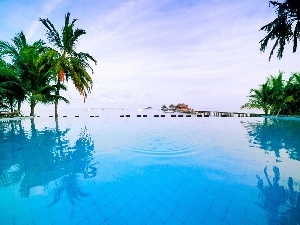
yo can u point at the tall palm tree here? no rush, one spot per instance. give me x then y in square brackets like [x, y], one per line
[70, 64]
[284, 29]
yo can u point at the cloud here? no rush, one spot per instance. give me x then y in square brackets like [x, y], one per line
[47, 8]
[199, 47]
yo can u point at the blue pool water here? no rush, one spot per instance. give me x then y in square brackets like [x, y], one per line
[148, 170]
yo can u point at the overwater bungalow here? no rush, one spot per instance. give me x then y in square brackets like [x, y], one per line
[164, 107]
[182, 107]
[172, 107]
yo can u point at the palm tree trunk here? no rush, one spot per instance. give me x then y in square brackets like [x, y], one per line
[19, 105]
[32, 106]
[56, 100]
[55, 108]
[11, 104]
[32, 110]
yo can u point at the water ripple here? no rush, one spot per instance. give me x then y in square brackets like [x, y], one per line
[161, 146]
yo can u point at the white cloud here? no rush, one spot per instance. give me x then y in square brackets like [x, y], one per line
[212, 47]
[47, 8]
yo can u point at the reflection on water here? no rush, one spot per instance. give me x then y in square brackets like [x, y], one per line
[281, 203]
[278, 197]
[71, 186]
[37, 157]
[273, 135]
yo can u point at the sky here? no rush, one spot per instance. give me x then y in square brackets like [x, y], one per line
[204, 53]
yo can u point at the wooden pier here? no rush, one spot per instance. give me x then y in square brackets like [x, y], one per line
[223, 114]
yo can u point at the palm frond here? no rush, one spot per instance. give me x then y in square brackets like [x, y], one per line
[84, 60]
[7, 49]
[52, 34]
[20, 40]
[296, 35]
[281, 28]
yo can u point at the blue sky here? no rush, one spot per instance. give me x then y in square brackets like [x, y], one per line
[204, 53]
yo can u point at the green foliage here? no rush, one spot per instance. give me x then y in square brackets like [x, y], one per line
[34, 69]
[34, 72]
[284, 29]
[276, 96]
[11, 90]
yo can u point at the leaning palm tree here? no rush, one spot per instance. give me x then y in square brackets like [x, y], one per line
[284, 29]
[70, 64]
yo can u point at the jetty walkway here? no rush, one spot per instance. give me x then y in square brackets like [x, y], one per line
[224, 114]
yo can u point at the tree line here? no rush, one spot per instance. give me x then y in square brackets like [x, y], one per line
[36, 72]
[277, 96]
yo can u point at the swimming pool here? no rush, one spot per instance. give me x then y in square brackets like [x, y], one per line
[149, 170]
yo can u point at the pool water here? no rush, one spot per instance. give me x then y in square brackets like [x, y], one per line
[148, 170]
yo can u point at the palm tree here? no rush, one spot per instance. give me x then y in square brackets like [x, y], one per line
[12, 52]
[277, 96]
[292, 89]
[259, 99]
[70, 64]
[284, 29]
[34, 65]
[11, 91]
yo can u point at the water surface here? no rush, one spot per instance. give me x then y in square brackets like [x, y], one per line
[128, 170]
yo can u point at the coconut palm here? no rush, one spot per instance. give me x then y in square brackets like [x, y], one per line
[284, 29]
[292, 89]
[277, 96]
[70, 64]
[34, 66]
[11, 51]
[11, 91]
[259, 99]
